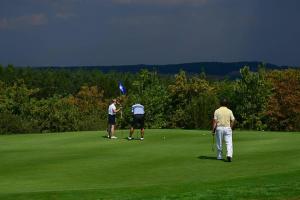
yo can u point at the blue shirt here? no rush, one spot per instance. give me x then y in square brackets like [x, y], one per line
[137, 109]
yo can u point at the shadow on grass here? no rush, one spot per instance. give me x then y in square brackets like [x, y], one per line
[207, 157]
[122, 138]
[133, 139]
[210, 158]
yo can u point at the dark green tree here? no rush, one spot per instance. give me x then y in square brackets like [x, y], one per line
[251, 96]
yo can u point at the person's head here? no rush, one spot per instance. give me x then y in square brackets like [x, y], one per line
[224, 102]
[114, 101]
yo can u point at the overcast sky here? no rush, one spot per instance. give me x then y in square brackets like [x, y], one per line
[121, 32]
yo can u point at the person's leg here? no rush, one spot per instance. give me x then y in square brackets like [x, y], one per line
[142, 132]
[113, 125]
[228, 142]
[109, 130]
[133, 122]
[112, 132]
[142, 126]
[131, 133]
[219, 138]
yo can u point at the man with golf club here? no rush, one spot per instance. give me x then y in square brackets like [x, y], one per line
[138, 120]
[222, 128]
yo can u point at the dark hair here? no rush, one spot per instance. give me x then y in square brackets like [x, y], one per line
[224, 102]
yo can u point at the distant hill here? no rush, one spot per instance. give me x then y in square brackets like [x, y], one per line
[213, 69]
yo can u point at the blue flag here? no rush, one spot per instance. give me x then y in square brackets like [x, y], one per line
[122, 88]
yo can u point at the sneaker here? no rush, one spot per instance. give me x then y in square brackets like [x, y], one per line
[113, 137]
[229, 159]
[129, 138]
[142, 138]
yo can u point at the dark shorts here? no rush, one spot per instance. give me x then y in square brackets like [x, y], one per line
[112, 119]
[138, 121]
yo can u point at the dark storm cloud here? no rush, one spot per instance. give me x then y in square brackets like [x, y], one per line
[21, 21]
[112, 32]
[162, 2]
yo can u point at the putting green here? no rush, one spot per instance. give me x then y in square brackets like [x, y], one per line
[168, 164]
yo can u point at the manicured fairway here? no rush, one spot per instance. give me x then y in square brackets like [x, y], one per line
[168, 164]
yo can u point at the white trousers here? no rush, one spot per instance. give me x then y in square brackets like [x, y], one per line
[226, 134]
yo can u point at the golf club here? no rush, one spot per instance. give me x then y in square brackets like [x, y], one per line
[213, 143]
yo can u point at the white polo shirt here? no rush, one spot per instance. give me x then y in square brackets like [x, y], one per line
[111, 109]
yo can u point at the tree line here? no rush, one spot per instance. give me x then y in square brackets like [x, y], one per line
[50, 100]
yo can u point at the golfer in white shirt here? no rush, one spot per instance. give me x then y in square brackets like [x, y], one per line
[112, 110]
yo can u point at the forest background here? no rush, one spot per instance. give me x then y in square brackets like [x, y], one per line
[35, 100]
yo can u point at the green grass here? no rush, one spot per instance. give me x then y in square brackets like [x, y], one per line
[168, 164]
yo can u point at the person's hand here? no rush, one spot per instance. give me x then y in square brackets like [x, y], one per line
[213, 131]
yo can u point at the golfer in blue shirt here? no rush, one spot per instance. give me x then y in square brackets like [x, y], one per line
[138, 120]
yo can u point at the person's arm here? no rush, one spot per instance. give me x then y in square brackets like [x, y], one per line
[117, 110]
[214, 123]
[232, 119]
[231, 123]
[214, 126]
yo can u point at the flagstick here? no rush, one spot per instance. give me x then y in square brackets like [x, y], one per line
[123, 91]
[120, 126]
[121, 130]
